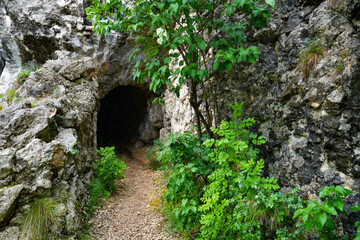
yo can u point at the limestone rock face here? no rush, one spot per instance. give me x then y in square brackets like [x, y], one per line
[48, 123]
[49, 118]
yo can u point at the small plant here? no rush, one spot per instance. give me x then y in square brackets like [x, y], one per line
[32, 104]
[309, 57]
[318, 214]
[74, 151]
[339, 66]
[357, 224]
[1, 107]
[10, 95]
[154, 164]
[23, 75]
[107, 170]
[26, 72]
[40, 218]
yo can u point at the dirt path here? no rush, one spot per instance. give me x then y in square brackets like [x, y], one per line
[128, 214]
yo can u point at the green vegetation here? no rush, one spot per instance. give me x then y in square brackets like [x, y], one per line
[23, 75]
[202, 38]
[74, 151]
[39, 219]
[310, 56]
[107, 170]
[339, 66]
[357, 224]
[214, 190]
[10, 95]
[317, 214]
[26, 72]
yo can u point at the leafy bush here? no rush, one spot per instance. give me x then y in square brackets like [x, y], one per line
[214, 187]
[107, 170]
[41, 215]
[318, 214]
[187, 167]
[151, 156]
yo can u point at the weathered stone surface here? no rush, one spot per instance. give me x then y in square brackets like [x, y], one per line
[8, 197]
[48, 131]
[11, 233]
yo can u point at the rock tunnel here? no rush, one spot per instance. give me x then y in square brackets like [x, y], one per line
[122, 112]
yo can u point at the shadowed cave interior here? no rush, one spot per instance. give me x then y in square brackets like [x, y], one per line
[122, 111]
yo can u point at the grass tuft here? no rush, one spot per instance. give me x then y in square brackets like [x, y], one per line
[309, 57]
[39, 218]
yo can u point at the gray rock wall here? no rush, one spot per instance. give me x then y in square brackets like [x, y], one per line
[48, 123]
[311, 123]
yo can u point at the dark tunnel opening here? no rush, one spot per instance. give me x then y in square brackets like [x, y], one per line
[121, 113]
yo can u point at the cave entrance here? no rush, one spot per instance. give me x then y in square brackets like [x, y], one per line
[122, 111]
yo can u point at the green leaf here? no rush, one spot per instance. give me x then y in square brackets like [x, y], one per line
[202, 45]
[355, 208]
[329, 209]
[228, 65]
[160, 5]
[271, 3]
[339, 204]
[174, 7]
[325, 191]
[201, 74]
[342, 191]
[322, 218]
[216, 66]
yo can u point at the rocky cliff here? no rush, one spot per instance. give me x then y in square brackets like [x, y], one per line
[49, 119]
[48, 123]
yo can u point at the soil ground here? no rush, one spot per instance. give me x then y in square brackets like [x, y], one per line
[129, 213]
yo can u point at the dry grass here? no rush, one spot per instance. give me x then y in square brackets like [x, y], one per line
[336, 5]
[309, 57]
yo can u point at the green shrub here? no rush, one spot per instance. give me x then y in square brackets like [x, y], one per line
[318, 214]
[40, 217]
[214, 189]
[187, 166]
[107, 170]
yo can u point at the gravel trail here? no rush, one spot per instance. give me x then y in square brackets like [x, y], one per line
[128, 214]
